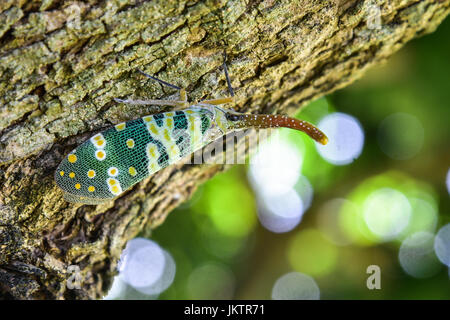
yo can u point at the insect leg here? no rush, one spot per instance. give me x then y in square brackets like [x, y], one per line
[218, 101]
[174, 103]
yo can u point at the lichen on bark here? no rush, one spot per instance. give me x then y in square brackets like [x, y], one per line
[62, 63]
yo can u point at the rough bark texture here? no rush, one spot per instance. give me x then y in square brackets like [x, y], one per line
[62, 62]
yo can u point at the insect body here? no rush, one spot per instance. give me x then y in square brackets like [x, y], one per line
[114, 160]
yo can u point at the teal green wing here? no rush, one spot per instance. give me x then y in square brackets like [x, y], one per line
[114, 160]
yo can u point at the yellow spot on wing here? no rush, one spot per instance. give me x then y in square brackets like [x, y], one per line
[77, 186]
[120, 126]
[91, 174]
[98, 141]
[114, 186]
[72, 175]
[153, 128]
[61, 173]
[167, 135]
[100, 155]
[130, 143]
[91, 189]
[132, 171]
[173, 151]
[72, 158]
[153, 167]
[113, 171]
[152, 151]
[191, 120]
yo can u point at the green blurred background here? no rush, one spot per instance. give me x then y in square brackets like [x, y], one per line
[222, 251]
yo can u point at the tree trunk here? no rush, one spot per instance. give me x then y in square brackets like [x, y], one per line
[61, 63]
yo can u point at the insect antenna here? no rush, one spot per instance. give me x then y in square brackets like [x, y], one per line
[230, 88]
[160, 81]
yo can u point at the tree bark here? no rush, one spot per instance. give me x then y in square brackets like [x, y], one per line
[61, 63]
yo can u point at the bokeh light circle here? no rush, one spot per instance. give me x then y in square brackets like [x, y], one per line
[229, 204]
[424, 216]
[416, 255]
[145, 266]
[447, 181]
[295, 286]
[219, 244]
[305, 190]
[275, 167]
[401, 136]
[211, 281]
[165, 280]
[281, 191]
[346, 138]
[130, 248]
[387, 213]
[281, 213]
[311, 253]
[117, 289]
[442, 245]
[286, 205]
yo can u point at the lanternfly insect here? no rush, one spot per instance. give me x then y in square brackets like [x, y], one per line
[114, 160]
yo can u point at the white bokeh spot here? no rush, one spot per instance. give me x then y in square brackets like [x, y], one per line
[442, 245]
[145, 266]
[281, 213]
[295, 286]
[345, 136]
[275, 167]
[416, 255]
[387, 213]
